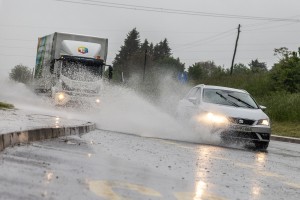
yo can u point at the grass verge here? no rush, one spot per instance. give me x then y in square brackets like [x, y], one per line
[6, 106]
[288, 129]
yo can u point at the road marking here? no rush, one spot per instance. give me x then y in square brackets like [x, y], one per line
[271, 174]
[105, 189]
[190, 195]
[295, 185]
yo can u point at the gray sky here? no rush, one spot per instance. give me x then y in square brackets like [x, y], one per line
[192, 38]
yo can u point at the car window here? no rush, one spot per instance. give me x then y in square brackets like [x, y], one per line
[192, 93]
[198, 95]
[228, 97]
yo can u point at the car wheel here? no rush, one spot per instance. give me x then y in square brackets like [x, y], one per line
[261, 145]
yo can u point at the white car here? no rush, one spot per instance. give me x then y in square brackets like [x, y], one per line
[231, 112]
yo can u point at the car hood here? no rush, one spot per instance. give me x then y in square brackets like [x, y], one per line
[236, 112]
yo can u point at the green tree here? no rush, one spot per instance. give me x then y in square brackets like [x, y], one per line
[161, 50]
[285, 74]
[240, 69]
[126, 58]
[21, 73]
[170, 65]
[282, 52]
[258, 67]
[203, 70]
[131, 59]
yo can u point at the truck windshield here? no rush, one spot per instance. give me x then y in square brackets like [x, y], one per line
[80, 71]
[229, 98]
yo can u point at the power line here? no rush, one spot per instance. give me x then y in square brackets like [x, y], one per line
[270, 27]
[208, 39]
[16, 55]
[174, 11]
[222, 51]
[16, 39]
[264, 23]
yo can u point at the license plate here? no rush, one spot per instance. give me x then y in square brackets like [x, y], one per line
[241, 128]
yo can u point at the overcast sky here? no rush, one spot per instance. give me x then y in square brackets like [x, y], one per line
[192, 38]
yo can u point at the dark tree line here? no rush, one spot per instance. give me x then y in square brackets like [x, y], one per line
[209, 70]
[130, 60]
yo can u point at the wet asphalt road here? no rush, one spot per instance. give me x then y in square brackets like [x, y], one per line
[106, 165]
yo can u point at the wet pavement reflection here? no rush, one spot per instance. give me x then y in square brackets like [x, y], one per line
[107, 165]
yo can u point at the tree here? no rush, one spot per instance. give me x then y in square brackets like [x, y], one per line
[161, 50]
[282, 52]
[169, 65]
[257, 67]
[240, 69]
[21, 73]
[285, 74]
[131, 59]
[203, 70]
[125, 59]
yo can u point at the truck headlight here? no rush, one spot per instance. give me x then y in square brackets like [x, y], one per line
[61, 96]
[264, 122]
[97, 100]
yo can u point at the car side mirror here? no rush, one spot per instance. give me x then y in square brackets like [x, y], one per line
[193, 100]
[262, 107]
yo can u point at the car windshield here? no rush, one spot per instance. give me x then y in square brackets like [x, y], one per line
[229, 98]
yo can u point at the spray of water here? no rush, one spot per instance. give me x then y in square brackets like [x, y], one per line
[121, 109]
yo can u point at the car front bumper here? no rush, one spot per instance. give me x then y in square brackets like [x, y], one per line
[255, 133]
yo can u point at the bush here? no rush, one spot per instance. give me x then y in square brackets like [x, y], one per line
[21, 73]
[6, 106]
[282, 106]
[256, 84]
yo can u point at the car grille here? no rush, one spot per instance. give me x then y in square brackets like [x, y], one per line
[244, 135]
[241, 121]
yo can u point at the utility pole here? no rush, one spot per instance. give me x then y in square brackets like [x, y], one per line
[236, 43]
[145, 62]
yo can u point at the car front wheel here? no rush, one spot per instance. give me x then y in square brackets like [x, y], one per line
[261, 145]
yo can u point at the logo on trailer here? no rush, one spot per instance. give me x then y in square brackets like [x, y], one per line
[83, 50]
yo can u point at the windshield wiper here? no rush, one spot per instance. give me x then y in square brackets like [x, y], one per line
[222, 96]
[247, 104]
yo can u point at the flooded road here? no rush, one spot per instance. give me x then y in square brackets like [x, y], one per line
[107, 165]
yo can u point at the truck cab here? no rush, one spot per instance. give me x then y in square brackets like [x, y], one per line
[71, 67]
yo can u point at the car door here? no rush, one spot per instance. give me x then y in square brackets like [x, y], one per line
[188, 106]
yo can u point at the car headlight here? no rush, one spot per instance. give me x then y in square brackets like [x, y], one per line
[264, 122]
[213, 118]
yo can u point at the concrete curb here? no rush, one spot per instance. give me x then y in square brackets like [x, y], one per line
[25, 137]
[285, 139]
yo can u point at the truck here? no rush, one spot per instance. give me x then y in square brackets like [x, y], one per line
[70, 68]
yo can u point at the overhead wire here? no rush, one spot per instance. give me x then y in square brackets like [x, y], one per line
[174, 11]
[207, 39]
[182, 12]
[264, 23]
[269, 27]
